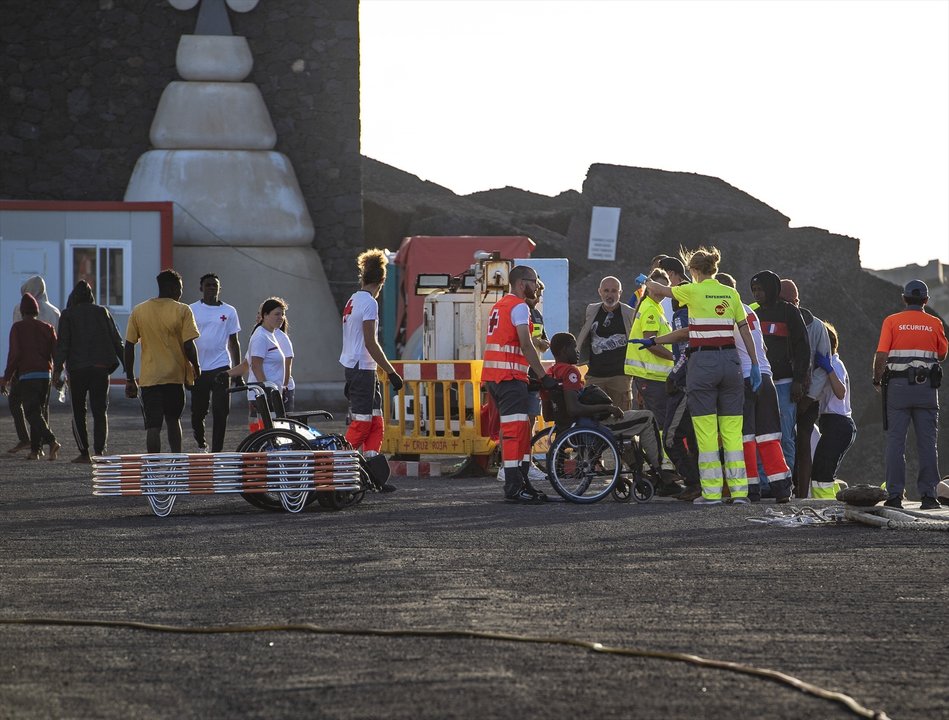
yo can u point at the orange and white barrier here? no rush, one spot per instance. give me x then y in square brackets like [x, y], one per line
[291, 474]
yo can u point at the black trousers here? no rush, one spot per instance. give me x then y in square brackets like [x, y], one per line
[16, 410]
[837, 433]
[34, 394]
[806, 420]
[94, 382]
[204, 393]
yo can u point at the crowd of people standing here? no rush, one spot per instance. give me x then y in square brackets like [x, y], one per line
[183, 347]
[732, 392]
[736, 389]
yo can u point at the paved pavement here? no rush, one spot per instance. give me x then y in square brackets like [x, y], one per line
[850, 608]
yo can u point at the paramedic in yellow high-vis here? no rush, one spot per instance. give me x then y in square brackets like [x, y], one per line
[715, 387]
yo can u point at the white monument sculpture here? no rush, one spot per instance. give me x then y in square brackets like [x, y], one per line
[238, 207]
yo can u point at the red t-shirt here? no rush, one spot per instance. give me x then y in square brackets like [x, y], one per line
[568, 374]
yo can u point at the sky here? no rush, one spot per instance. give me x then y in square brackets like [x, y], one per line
[835, 113]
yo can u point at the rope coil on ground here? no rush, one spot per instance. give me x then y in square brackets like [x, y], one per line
[842, 699]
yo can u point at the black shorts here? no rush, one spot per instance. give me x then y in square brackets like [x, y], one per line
[162, 402]
[364, 393]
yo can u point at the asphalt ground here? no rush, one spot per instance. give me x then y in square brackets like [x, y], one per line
[849, 608]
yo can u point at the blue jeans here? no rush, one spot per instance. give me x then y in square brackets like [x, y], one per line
[788, 410]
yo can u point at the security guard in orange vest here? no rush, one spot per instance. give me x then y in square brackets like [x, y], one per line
[508, 353]
[907, 369]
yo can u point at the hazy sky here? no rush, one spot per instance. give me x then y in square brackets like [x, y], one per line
[834, 113]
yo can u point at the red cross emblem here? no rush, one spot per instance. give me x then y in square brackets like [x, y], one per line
[223, 318]
[348, 310]
[493, 322]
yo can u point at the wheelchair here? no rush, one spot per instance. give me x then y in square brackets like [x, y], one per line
[586, 460]
[291, 431]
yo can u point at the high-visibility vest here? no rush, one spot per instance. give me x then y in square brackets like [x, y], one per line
[503, 357]
[714, 312]
[640, 362]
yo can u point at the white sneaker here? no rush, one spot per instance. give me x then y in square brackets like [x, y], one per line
[705, 501]
[740, 501]
[535, 474]
[202, 449]
[501, 474]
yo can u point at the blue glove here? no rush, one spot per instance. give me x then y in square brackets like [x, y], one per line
[645, 342]
[641, 279]
[755, 377]
[823, 362]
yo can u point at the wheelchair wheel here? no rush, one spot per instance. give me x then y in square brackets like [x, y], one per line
[643, 490]
[274, 439]
[583, 465]
[623, 490]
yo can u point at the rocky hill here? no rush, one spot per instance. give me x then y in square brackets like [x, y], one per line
[661, 212]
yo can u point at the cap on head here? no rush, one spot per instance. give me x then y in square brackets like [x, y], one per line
[29, 306]
[672, 264]
[789, 292]
[916, 290]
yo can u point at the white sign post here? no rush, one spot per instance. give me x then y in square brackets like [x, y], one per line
[604, 227]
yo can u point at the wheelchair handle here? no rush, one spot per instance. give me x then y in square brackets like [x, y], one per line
[255, 387]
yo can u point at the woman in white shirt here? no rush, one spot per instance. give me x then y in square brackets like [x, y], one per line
[264, 361]
[837, 428]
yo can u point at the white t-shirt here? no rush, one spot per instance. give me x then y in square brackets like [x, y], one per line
[520, 314]
[286, 347]
[830, 404]
[216, 323]
[263, 344]
[754, 325]
[361, 307]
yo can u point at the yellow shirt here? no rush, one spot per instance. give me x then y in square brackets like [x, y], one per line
[162, 325]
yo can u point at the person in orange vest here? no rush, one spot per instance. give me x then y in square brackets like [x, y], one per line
[508, 354]
[906, 367]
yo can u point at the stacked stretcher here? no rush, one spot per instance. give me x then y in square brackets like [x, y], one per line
[289, 474]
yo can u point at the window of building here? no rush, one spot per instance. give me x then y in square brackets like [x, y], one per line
[106, 265]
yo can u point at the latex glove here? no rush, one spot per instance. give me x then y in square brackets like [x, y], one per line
[645, 342]
[755, 377]
[395, 380]
[641, 279]
[823, 362]
[549, 382]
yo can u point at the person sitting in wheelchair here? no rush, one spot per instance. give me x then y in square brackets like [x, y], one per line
[573, 400]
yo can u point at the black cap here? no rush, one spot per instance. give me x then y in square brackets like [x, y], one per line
[672, 264]
[915, 290]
